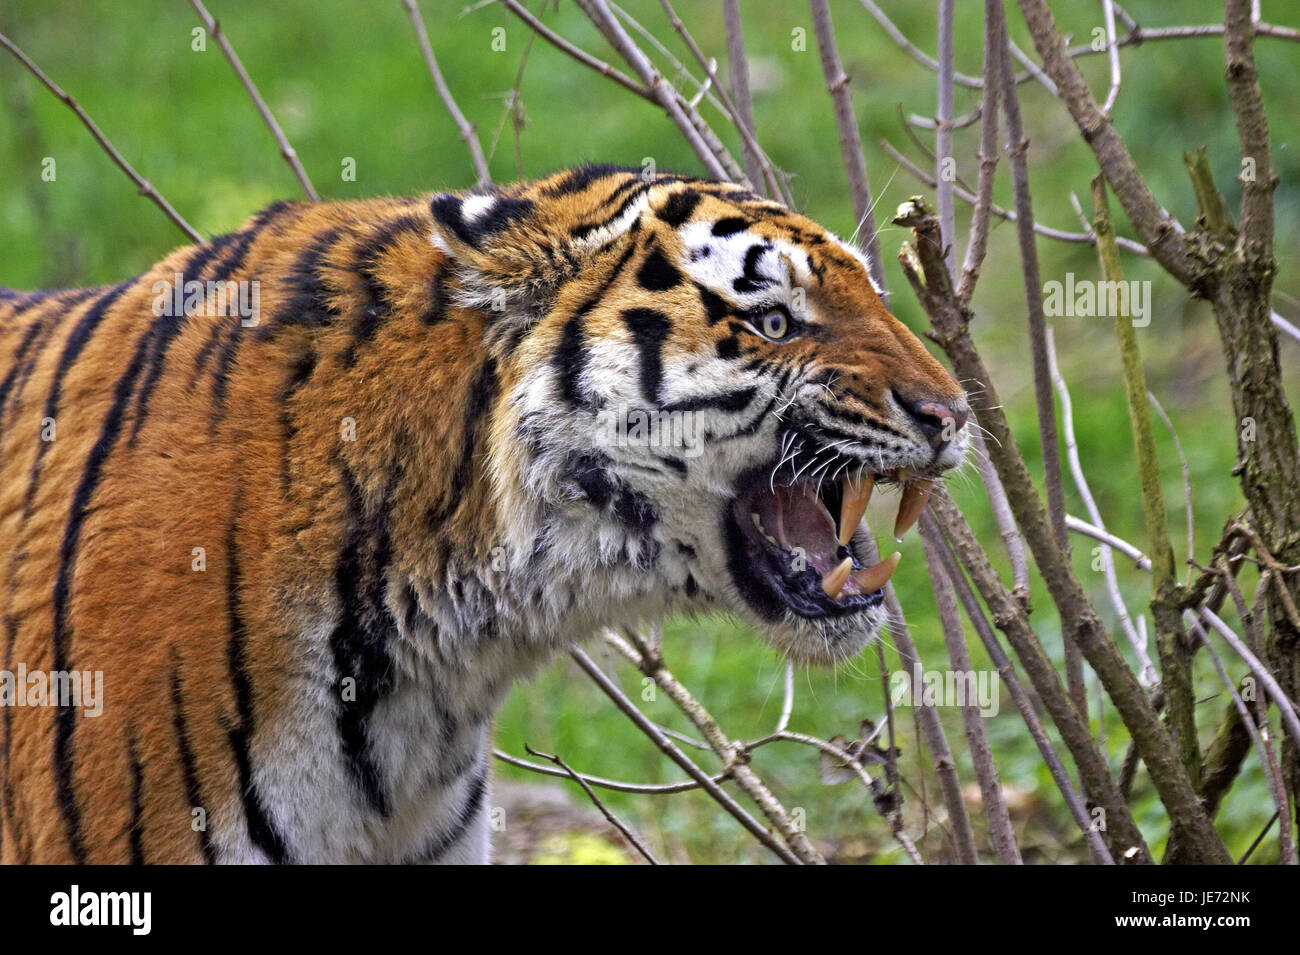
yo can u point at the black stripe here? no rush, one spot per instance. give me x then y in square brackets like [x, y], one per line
[189, 769]
[750, 280]
[135, 833]
[469, 809]
[448, 212]
[578, 179]
[729, 401]
[261, 829]
[649, 328]
[66, 716]
[233, 335]
[72, 349]
[482, 391]
[635, 193]
[437, 309]
[377, 307]
[715, 308]
[678, 208]
[656, 273]
[41, 329]
[850, 416]
[301, 367]
[307, 303]
[360, 638]
[730, 226]
[571, 356]
[757, 422]
[169, 325]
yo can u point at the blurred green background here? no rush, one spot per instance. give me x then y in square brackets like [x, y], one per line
[346, 81]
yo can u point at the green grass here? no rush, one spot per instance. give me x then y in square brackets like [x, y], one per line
[346, 81]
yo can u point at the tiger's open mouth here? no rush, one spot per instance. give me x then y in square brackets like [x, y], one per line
[796, 544]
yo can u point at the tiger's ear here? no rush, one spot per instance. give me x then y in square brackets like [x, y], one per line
[521, 247]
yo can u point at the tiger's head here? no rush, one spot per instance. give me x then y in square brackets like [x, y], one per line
[699, 390]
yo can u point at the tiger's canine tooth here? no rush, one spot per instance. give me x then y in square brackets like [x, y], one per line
[854, 505]
[873, 578]
[836, 577]
[915, 495]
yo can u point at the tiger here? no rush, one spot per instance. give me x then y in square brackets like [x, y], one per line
[311, 496]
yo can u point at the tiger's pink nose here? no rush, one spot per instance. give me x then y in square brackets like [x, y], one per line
[939, 422]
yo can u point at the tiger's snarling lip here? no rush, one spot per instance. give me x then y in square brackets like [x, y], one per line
[796, 545]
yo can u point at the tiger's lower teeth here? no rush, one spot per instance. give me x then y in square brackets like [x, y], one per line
[868, 580]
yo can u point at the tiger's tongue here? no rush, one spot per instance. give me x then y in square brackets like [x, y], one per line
[807, 525]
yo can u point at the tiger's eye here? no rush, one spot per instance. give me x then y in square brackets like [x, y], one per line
[775, 325]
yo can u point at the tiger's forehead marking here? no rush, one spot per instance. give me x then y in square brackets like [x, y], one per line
[746, 267]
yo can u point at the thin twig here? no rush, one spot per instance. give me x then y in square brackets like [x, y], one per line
[943, 157]
[1272, 771]
[688, 122]
[287, 151]
[1187, 480]
[583, 57]
[837, 84]
[1007, 673]
[742, 115]
[666, 746]
[1147, 673]
[652, 666]
[1001, 834]
[613, 820]
[977, 242]
[467, 131]
[1284, 704]
[616, 785]
[1112, 48]
[1083, 238]
[1079, 526]
[142, 185]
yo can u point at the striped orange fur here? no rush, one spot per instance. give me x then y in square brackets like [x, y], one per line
[309, 550]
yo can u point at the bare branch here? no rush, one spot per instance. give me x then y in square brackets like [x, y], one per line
[613, 820]
[652, 666]
[644, 789]
[943, 157]
[1007, 673]
[1252, 129]
[927, 718]
[741, 117]
[1001, 834]
[142, 185]
[286, 150]
[660, 89]
[1157, 229]
[681, 759]
[1272, 771]
[743, 112]
[1285, 705]
[466, 128]
[977, 242]
[1147, 674]
[895, 34]
[1112, 48]
[837, 83]
[1141, 560]
[1084, 238]
[583, 57]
